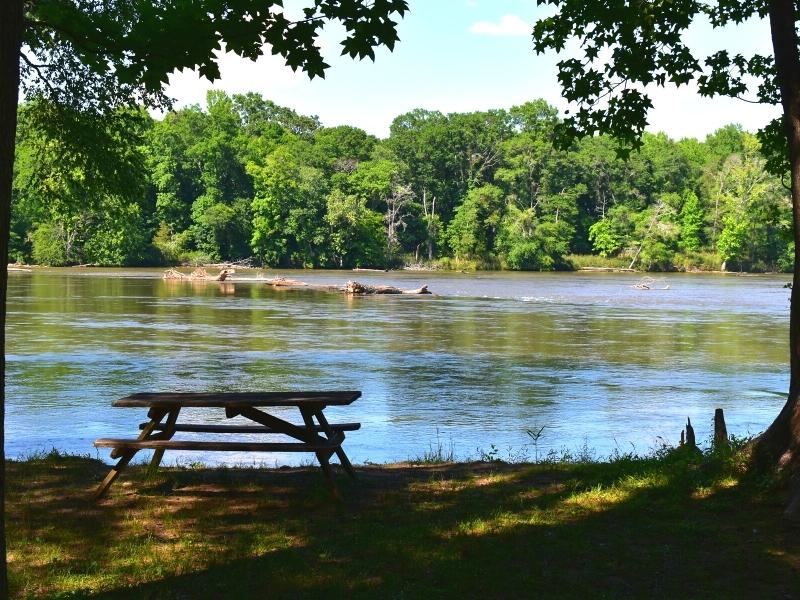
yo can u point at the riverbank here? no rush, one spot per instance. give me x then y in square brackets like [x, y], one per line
[659, 527]
[696, 263]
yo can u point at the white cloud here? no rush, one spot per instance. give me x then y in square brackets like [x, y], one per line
[268, 75]
[508, 25]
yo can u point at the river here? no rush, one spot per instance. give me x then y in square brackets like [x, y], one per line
[597, 363]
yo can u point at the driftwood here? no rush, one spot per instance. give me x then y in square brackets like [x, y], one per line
[354, 287]
[285, 282]
[199, 274]
[648, 283]
[351, 287]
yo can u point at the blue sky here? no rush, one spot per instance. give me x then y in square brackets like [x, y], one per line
[465, 55]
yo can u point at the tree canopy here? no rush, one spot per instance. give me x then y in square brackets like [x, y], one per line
[243, 177]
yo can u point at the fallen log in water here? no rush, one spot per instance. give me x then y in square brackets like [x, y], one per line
[199, 274]
[354, 287]
[648, 283]
[351, 287]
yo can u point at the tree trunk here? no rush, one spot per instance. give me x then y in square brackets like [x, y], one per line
[780, 443]
[10, 41]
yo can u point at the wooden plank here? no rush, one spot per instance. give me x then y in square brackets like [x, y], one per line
[113, 474]
[200, 428]
[125, 444]
[226, 399]
[298, 432]
[155, 414]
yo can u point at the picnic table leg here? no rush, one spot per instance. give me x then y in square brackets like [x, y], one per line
[339, 450]
[113, 474]
[322, 456]
[169, 431]
[155, 418]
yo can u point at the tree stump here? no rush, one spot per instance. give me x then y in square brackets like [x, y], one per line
[720, 430]
[690, 439]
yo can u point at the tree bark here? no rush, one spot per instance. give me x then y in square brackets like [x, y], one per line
[11, 24]
[780, 443]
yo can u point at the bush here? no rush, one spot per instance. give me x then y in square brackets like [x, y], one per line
[785, 262]
[48, 245]
[698, 261]
[169, 246]
[447, 263]
[528, 256]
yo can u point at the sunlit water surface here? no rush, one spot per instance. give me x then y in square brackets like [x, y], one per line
[596, 362]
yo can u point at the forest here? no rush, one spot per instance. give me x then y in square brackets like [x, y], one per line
[246, 178]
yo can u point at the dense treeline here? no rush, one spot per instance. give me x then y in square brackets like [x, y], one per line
[246, 177]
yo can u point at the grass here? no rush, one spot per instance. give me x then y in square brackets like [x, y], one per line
[666, 526]
[579, 261]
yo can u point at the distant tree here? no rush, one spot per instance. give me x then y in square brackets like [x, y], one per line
[692, 221]
[750, 204]
[289, 208]
[344, 147]
[474, 227]
[606, 240]
[357, 234]
[80, 184]
[421, 140]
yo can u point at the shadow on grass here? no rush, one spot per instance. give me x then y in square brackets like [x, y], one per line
[667, 528]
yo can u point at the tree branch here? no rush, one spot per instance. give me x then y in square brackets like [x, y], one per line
[38, 68]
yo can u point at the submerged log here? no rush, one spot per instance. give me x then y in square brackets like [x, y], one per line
[285, 282]
[351, 287]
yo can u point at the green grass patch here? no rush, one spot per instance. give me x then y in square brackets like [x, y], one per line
[580, 261]
[698, 261]
[667, 526]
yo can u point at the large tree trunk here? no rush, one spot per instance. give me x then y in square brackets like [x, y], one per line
[780, 443]
[10, 42]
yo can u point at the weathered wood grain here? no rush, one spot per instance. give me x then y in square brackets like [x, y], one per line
[226, 399]
[131, 444]
[200, 428]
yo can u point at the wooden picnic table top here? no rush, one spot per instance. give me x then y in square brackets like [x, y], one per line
[231, 399]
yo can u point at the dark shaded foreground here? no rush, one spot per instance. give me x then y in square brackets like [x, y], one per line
[654, 528]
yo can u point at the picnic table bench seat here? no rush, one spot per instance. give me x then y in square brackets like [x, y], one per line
[321, 437]
[157, 444]
[202, 428]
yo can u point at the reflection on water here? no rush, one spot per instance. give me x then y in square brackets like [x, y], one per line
[485, 358]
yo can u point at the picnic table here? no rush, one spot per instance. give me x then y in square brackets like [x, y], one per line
[320, 437]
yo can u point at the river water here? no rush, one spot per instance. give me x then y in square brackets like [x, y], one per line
[596, 362]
